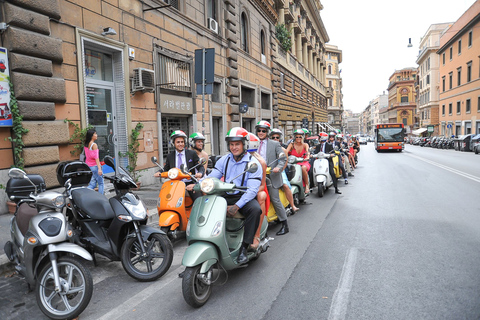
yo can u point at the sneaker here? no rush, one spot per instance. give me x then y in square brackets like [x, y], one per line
[351, 174]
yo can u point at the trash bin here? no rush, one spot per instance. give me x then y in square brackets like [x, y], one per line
[457, 143]
[465, 142]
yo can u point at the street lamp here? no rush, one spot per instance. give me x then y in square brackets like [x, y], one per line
[410, 43]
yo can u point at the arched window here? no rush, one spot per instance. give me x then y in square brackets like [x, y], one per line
[329, 69]
[262, 42]
[244, 32]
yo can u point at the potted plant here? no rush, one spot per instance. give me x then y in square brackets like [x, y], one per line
[132, 153]
[284, 37]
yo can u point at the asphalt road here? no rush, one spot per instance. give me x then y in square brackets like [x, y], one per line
[401, 242]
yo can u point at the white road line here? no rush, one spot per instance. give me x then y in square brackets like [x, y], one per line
[130, 304]
[460, 173]
[338, 309]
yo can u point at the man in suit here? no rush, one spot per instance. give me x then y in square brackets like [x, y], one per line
[327, 147]
[271, 151]
[183, 156]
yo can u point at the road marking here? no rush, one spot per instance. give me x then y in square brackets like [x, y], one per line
[130, 304]
[338, 309]
[460, 173]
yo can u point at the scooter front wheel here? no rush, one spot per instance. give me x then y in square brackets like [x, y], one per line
[76, 288]
[320, 191]
[195, 291]
[150, 265]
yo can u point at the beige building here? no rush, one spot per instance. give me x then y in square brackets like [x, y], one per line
[460, 76]
[333, 58]
[429, 78]
[401, 98]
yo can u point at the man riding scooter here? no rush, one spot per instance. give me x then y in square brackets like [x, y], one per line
[183, 156]
[231, 166]
[327, 147]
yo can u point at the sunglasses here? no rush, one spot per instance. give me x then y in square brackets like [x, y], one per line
[298, 137]
[262, 130]
[276, 138]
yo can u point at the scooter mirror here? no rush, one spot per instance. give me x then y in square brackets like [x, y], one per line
[252, 167]
[281, 156]
[202, 161]
[292, 159]
[182, 168]
[154, 160]
[109, 162]
[16, 173]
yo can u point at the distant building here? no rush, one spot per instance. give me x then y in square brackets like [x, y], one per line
[333, 57]
[402, 97]
[428, 78]
[459, 72]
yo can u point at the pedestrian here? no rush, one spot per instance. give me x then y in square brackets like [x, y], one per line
[92, 160]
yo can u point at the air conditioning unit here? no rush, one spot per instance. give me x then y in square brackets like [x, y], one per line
[143, 80]
[213, 25]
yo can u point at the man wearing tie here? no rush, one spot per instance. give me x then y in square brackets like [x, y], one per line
[271, 151]
[183, 156]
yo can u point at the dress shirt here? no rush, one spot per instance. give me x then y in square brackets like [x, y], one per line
[252, 180]
[263, 148]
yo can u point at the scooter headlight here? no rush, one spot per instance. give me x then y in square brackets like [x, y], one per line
[58, 202]
[137, 210]
[173, 173]
[207, 185]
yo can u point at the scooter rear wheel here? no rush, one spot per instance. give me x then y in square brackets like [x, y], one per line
[154, 265]
[195, 292]
[320, 190]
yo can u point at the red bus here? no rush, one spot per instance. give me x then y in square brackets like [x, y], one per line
[389, 136]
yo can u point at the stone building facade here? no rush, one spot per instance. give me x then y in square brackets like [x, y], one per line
[115, 63]
[333, 58]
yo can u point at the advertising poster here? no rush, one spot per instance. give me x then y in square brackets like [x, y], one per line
[5, 113]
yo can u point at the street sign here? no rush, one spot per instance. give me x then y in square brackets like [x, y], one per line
[209, 64]
[430, 128]
[449, 126]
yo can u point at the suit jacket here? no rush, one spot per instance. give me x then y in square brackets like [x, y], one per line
[328, 147]
[191, 158]
[274, 150]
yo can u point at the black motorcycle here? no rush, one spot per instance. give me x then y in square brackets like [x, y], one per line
[116, 227]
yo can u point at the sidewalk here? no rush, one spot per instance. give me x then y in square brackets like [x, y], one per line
[148, 194]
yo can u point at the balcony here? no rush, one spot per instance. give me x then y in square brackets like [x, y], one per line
[329, 92]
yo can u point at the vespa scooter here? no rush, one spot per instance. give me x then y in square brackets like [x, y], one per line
[321, 173]
[295, 173]
[41, 249]
[116, 227]
[271, 214]
[173, 205]
[214, 240]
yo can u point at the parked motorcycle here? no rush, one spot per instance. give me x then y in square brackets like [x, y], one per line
[116, 227]
[214, 240]
[41, 249]
[174, 205]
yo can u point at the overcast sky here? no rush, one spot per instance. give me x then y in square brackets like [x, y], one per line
[373, 36]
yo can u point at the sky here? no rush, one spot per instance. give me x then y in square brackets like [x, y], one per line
[373, 36]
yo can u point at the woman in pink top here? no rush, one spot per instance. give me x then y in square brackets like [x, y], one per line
[92, 160]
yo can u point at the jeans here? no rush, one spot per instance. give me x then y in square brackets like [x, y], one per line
[96, 179]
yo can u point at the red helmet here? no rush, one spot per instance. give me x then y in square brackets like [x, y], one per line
[323, 136]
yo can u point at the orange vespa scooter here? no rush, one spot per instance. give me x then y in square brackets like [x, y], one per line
[173, 204]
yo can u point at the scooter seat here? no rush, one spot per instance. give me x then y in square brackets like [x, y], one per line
[238, 215]
[94, 204]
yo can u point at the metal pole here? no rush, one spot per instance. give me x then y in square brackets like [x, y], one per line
[203, 92]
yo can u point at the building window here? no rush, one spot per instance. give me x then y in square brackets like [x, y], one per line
[212, 9]
[469, 71]
[265, 100]
[329, 69]
[443, 58]
[293, 87]
[262, 46]
[459, 107]
[451, 53]
[460, 46]
[217, 92]
[478, 105]
[174, 3]
[404, 99]
[467, 106]
[330, 83]
[443, 83]
[459, 76]
[470, 37]
[301, 92]
[282, 81]
[468, 127]
[450, 80]
[443, 110]
[428, 79]
[450, 108]
[244, 32]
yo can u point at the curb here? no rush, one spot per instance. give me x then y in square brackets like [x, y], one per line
[8, 266]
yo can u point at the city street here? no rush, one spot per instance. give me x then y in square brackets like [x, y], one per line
[401, 242]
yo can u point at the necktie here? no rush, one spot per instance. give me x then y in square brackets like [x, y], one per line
[260, 148]
[179, 161]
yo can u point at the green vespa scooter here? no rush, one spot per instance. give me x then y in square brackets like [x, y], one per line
[214, 240]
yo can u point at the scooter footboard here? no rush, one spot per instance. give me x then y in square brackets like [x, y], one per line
[200, 253]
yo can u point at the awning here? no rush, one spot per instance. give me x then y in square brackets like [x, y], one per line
[419, 131]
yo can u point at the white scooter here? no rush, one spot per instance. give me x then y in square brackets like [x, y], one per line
[321, 175]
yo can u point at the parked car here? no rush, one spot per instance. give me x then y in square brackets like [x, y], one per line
[362, 140]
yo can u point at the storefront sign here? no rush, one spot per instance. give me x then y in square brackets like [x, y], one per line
[175, 104]
[5, 112]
